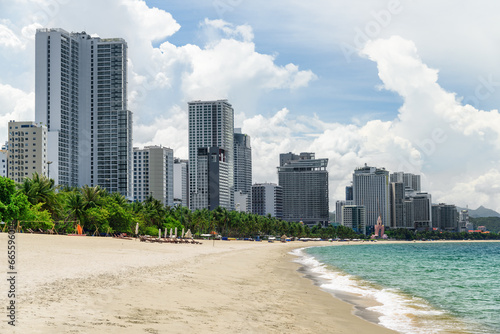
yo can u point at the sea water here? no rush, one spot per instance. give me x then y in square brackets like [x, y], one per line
[414, 287]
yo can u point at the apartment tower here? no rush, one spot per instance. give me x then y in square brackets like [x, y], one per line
[211, 151]
[81, 96]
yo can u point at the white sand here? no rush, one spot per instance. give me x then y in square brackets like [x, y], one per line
[104, 285]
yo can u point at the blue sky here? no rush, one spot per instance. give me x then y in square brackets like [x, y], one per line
[402, 84]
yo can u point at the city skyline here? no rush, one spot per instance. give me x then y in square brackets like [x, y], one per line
[304, 83]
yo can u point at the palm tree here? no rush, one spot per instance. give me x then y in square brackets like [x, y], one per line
[40, 189]
[92, 196]
[75, 206]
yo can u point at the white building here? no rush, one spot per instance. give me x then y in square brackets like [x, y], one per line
[81, 96]
[371, 190]
[181, 177]
[211, 134]
[27, 151]
[154, 174]
[267, 198]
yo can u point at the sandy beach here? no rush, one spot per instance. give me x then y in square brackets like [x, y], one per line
[106, 285]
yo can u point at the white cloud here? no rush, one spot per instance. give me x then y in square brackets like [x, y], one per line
[16, 106]
[455, 147]
[8, 39]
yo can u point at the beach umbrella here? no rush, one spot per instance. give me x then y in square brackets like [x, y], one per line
[175, 234]
[165, 234]
[182, 235]
[137, 229]
[159, 233]
[170, 232]
[189, 234]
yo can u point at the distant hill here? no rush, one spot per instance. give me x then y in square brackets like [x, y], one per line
[492, 224]
[481, 212]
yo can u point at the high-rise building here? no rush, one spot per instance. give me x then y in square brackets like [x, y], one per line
[410, 181]
[27, 153]
[445, 217]
[154, 174]
[242, 171]
[267, 198]
[354, 216]
[371, 190]
[305, 189]
[349, 196]
[397, 205]
[338, 211]
[181, 177]
[211, 150]
[81, 96]
[422, 211]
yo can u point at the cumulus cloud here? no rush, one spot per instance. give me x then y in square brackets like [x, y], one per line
[9, 39]
[453, 146]
[16, 106]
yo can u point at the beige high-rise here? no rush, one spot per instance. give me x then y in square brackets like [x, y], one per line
[27, 150]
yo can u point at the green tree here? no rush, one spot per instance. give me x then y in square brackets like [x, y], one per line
[40, 189]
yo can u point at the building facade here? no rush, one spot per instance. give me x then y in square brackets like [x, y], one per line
[445, 217]
[27, 153]
[397, 206]
[3, 160]
[354, 216]
[305, 189]
[211, 150]
[267, 198]
[409, 180]
[242, 171]
[422, 211]
[81, 96]
[371, 190]
[181, 185]
[154, 174]
[338, 211]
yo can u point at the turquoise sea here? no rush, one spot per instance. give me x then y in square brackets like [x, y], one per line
[428, 287]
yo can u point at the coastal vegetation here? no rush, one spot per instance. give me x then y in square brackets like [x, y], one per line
[38, 205]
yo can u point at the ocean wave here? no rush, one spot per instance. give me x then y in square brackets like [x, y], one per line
[397, 310]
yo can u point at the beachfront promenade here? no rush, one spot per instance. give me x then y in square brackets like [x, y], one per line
[108, 285]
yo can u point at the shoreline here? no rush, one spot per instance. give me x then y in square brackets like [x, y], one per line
[106, 285]
[109, 285]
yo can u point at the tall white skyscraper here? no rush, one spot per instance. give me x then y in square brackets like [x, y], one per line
[211, 132]
[371, 190]
[154, 174]
[81, 96]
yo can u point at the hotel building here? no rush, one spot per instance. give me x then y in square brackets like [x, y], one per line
[304, 180]
[371, 190]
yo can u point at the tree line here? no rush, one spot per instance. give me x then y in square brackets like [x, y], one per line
[37, 204]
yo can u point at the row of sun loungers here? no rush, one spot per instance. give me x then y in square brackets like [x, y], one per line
[144, 238]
